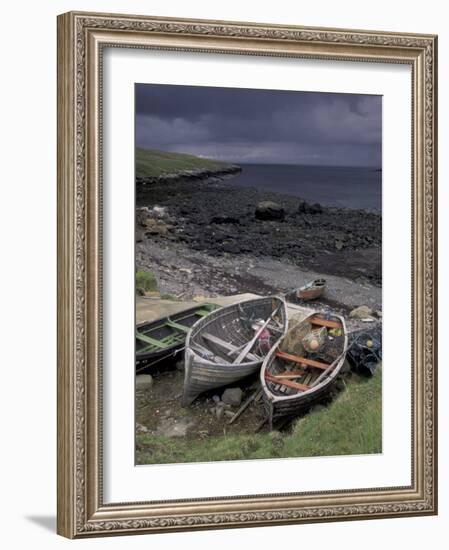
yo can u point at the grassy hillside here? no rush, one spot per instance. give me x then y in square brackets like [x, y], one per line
[153, 163]
[352, 424]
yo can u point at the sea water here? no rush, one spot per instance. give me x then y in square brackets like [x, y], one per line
[341, 186]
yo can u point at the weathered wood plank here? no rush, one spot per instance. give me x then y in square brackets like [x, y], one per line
[226, 345]
[301, 360]
[148, 340]
[288, 383]
[245, 405]
[325, 323]
[291, 374]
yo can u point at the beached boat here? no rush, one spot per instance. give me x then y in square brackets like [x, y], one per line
[231, 343]
[164, 338]
[301, 369]
[310, 291]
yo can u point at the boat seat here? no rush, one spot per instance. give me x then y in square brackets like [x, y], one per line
[302, 360]
[325, 323]
[287, 383]
[202, 312]
[230, 348]
[290, 374]
[207, 354]
[177, 326]
[147, 340]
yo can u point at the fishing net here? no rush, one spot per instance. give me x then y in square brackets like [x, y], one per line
[365, 352]
[315, 339]
[298, 329]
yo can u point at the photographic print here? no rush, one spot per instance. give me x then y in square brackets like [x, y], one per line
[226, 296]
[258, 274]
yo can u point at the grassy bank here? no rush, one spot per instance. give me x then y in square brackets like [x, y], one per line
[352, 424]
[146, 281]
[153, 163]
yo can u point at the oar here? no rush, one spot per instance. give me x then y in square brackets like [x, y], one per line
[330, 367]
[245, 405]
[251, 343]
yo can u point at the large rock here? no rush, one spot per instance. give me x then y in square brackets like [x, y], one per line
[224, 219]
[156, 227]
[269, 210]
[361, 312]
[232, 396]
[306, 208]
[174, 427]
[144, 381]
[231, 247]
[141, 429]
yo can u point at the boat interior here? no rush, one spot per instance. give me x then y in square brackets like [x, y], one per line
[168, 332]
[306, 356]
[225, 339]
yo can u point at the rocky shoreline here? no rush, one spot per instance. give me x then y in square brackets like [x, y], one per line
[211, 216]
[188, 175]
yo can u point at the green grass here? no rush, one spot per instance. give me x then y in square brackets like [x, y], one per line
[171, 297]
[146, 281]
[351, 425]
[153, 163]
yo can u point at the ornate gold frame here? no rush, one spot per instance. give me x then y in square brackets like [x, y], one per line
[81, 37]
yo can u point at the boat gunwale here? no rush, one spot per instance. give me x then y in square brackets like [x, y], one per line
[191, 309]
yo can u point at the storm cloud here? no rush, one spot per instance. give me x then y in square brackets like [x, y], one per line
[261, 126]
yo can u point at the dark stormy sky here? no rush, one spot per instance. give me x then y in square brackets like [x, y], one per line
[260, 126]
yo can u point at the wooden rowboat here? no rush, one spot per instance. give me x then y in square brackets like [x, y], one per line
[293, 378]
[226, 346]
[164, 338]
[310, 291]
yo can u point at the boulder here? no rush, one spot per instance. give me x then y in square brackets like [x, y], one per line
[172, 427]
[142, 216]
[157, 228]
[219, 411]
[306, 208]
[361, 312]
[144, 381]
[269, 210]
[232, 396]
[224, 219]
[346, 367]
[231, 248]
[140, 428]
[179, 365]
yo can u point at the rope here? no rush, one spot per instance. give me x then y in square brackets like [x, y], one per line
[163, 358]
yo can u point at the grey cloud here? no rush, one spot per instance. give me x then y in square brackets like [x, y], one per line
[260, 125]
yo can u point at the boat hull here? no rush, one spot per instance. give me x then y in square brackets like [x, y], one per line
[311, 291]
[201, 374]
[283, 408]
[278, 407]
[169, 335]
